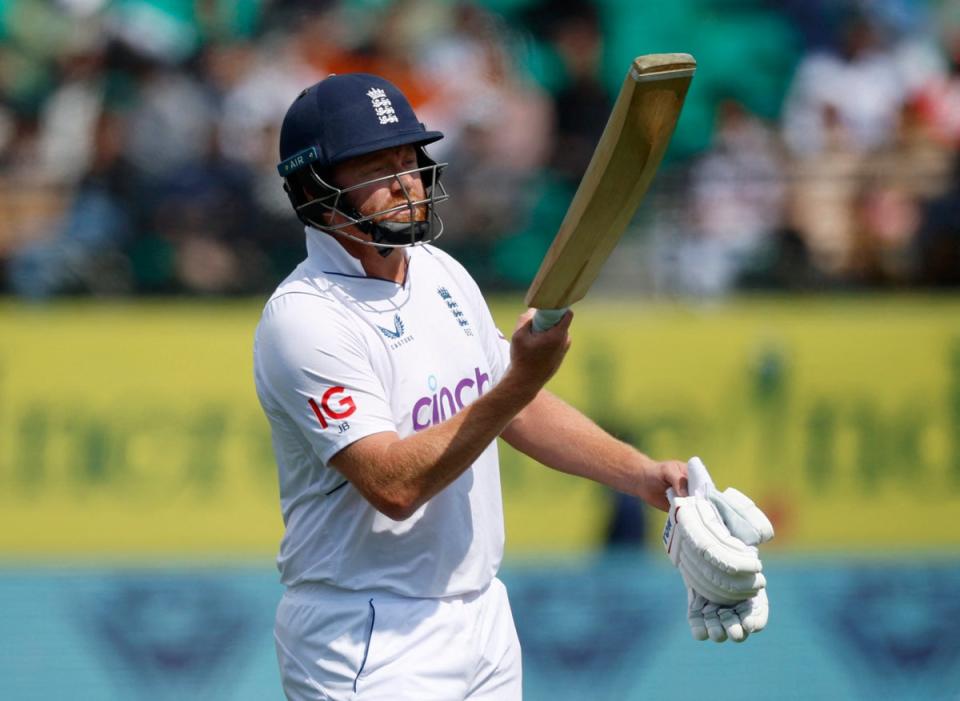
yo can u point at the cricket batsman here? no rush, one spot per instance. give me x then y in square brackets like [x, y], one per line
[386, 383]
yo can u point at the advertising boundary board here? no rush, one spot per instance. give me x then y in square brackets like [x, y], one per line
[132, 430]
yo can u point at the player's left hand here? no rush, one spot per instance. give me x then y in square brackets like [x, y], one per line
[713, 562]
[747, 523]
[661, 476]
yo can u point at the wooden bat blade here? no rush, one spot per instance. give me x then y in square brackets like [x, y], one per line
[624, 162]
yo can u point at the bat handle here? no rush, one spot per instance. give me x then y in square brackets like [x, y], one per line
[547, 318]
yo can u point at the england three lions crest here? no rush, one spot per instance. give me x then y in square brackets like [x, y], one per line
[382, 106]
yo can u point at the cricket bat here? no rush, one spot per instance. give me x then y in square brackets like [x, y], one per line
[621, 169]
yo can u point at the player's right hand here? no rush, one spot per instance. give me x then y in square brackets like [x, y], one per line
[536, 356]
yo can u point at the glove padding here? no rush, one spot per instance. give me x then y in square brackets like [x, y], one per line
[740, 515]
[743, 521]
[712, 562]
[709, 620]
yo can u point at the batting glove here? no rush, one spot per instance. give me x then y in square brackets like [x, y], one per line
[745, 522]
[740, 515]
[713, 563]
[719, 623]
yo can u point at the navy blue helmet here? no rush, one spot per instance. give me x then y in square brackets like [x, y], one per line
[342, 117]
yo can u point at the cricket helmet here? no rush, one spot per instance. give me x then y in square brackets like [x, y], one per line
[342, 117]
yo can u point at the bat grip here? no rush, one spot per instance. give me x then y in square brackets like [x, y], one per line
[547, 318]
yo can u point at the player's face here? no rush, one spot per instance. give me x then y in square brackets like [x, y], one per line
[383, 183]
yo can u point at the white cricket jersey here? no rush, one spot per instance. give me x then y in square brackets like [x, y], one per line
[339, 356]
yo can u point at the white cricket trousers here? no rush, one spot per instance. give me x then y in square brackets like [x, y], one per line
[374, 646]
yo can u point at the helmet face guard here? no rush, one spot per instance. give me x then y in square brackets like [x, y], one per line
[385, 231]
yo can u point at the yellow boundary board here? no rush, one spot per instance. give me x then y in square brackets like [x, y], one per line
[132, 430]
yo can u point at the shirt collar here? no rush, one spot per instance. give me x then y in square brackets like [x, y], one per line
[327, 255]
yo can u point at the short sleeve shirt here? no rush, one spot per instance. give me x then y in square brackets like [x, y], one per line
[339, 356]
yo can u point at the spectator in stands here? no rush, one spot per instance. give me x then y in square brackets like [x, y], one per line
[106, 116]
[938, 102]
[499, 127]
[736, 200]
[823, 187]
[937, 245]
[858, 84]
[843, 104]
[582, 104]
[68, 118]
[250, 82]
[86, 253]
[894, 182]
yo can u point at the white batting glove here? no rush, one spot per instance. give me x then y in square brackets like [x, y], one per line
[715, 616]
[712, 562]
[719, 623]
[736, 621]
[740, 515]
[698, 624]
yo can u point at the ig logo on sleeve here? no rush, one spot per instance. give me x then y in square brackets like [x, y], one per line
[335, 405]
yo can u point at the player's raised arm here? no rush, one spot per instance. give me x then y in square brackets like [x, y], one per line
[398, 475]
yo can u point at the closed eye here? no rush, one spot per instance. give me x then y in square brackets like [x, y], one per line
[375, 169]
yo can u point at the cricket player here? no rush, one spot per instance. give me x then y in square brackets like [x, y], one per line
[386, 383]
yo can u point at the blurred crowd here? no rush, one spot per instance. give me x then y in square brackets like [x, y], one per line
[856, 185]
[138, 142]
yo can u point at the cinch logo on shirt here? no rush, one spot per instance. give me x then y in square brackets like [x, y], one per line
[344, 407]
[440, 406]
